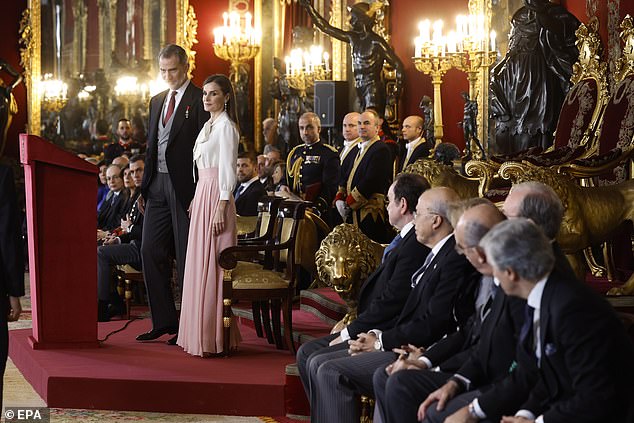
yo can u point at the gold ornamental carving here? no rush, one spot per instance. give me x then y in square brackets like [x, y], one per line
[344, 260]
[30, 60]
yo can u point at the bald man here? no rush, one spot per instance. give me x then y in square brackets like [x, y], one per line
[416, 146]
[365, 187]
[347, 154]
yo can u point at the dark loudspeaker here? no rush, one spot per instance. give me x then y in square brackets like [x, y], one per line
[331, 102]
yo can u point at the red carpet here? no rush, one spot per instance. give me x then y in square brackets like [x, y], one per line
[127, 375]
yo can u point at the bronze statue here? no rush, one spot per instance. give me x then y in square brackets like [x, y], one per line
[344, 261]
[470, 127]
[292, 105]
[8, 105]
[427, 109]
[529, 85]
[369, 52]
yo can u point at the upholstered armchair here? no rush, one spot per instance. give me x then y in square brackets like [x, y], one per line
[273, 281]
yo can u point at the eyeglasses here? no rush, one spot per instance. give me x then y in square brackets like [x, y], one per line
[110, 178]
[427, 213]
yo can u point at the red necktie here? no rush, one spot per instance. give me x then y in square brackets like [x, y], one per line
[170, 108]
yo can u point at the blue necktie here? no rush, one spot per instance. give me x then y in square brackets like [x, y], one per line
[397, 239]
[526, 333]
[239, 192]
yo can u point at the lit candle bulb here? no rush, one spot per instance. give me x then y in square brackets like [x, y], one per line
[247, 19]
[225, 18]
[492, 40]
[326, 60]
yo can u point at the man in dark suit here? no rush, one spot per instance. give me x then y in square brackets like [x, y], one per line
[176, 117]
[11, 264]
[539, 202]
[347, 154]
[476, 355]
[428, 314]
[249, 189]
[416, 146]
[384, 293]
[122, 248]
[112, 209]
[368, 180]
[574, 356]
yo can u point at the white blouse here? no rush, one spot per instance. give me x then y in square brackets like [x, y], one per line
[217, 146]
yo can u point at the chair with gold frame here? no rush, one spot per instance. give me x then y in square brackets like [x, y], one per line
[273, 281]
[579, 119]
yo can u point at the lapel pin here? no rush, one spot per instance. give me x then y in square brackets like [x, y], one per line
[187, 113]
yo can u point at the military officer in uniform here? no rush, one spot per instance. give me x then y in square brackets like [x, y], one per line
[313, 167]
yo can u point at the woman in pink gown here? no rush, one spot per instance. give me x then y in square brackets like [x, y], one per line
[213, 223]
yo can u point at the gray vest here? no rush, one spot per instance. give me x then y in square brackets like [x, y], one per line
[163, 136]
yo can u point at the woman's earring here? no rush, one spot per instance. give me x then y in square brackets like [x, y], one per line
[226, 105]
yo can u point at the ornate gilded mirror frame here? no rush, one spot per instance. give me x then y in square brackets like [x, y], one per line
[30, 51]
[484, 7]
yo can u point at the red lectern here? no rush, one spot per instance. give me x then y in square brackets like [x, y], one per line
[61, 204]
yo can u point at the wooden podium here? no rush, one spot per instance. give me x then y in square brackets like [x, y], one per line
[61, 204]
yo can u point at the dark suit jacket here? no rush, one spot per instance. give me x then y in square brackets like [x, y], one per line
[491, 359]
[429, 311]
[586, 369]
[374, 172]
[111, 212]
[247, 203]
[421, 151]
[346, 165]
[189, 118]
[11, 255]
[386, 290]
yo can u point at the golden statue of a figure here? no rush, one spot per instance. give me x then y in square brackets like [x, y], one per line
[344, 261]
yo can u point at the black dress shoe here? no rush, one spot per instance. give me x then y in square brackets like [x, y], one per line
[172, 340]
[155, 333]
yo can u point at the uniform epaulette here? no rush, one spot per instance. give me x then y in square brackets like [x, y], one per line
[332, 148]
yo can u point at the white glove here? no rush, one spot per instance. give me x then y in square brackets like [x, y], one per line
[343, 209]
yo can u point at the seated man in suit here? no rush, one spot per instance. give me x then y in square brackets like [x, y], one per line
[574, 356]
[249, 189]
[482, 352]
[384, 293]
[416, 146]
[111, 212]
[539, 202]
[122, 248]
[428, 314]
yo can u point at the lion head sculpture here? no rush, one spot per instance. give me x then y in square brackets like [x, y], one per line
[344, 261]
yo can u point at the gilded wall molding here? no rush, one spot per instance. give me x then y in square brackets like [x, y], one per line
[186, 31]
[30, 60]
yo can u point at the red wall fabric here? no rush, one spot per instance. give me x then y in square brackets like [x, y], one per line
[405, 17]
